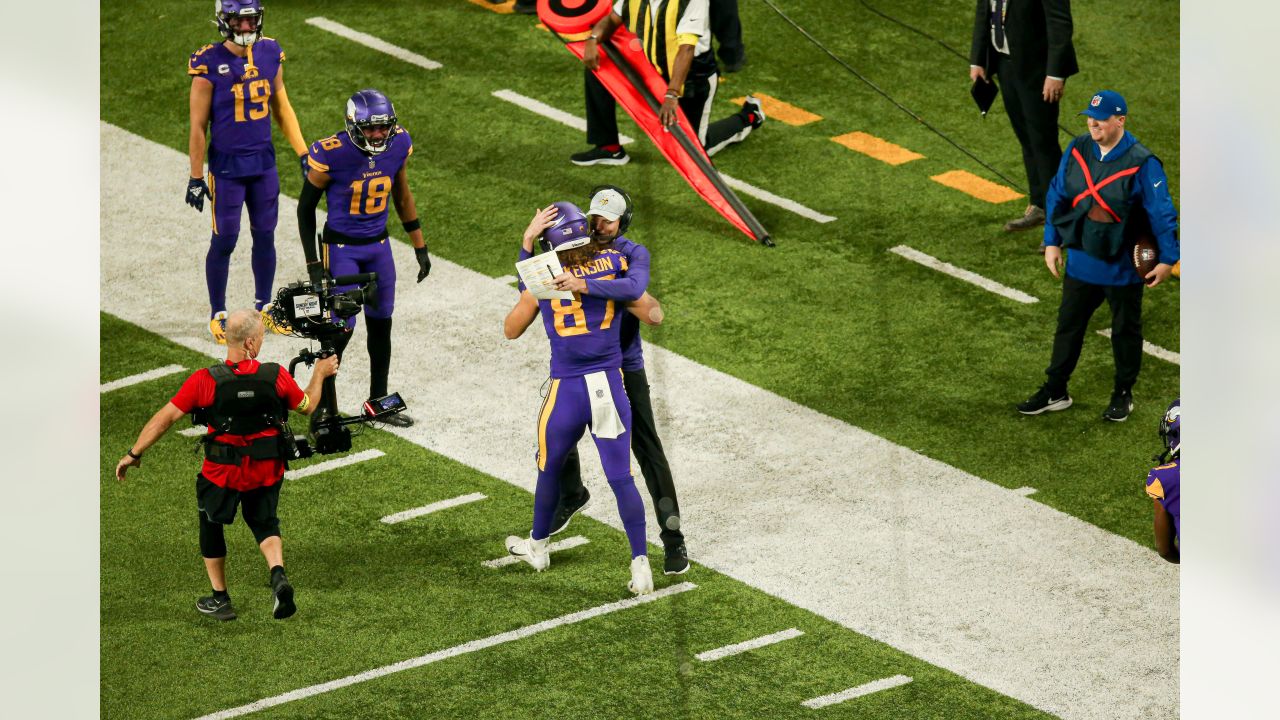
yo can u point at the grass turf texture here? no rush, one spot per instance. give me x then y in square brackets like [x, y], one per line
[828, 318]
[371, 594]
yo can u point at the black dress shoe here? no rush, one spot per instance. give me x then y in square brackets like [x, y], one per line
[1032, 218]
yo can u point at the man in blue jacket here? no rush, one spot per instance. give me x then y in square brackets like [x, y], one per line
[1109, 191]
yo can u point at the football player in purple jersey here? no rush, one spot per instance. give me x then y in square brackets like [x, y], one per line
[586, 389]
[237, 86]
[1164, 485]
[357, 171]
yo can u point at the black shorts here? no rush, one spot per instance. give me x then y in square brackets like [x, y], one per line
[258, 506]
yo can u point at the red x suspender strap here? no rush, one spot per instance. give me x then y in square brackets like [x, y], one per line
[1093, 189]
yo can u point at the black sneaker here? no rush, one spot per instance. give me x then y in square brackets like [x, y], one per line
[733, 67]
[216, 608]
[1044, 401]
[283, 591]
[400, 420]
[677, 562]
[753, 111]
[1120, 407]
[566, 511]
[600, 156]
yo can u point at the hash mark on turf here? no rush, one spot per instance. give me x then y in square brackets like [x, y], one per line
[374, 43]
[1024, 491]
[1154, 350]
[463, 649]
[139, 378]
[930, 261]
[877, 148]
[433, 507]
[540, 108]
[763, 641]
[859, 691]
[334, 464]
[565, 544]
[981, 188]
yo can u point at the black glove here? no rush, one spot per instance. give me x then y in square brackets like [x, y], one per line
[197, 191]
[302, 160]
[424, 262]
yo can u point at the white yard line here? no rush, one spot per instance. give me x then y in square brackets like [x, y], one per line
[370, 41]
[403, 515]
[1025, 491]
[1153, 350]
[859, 691]
[507, 279]
[771, 492]
[552, 113]
[742, 647]
[565, 544]
[930, 261]
[142, 377]
[334, 464]
[784, 203]
[455, 651]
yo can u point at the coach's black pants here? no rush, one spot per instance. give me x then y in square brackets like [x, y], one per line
[1079, 301]
[699, 94]
[1034, 121]
[648, 451]
[727, 30]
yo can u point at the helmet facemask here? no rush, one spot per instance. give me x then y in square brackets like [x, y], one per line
[371, 122]
[231, 16]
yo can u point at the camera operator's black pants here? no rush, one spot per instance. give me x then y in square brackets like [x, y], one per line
[1079, 301]
[217, 507]
[648, 451]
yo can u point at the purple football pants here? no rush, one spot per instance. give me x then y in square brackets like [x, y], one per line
[261, 193]
[374, 257]
[565, 414]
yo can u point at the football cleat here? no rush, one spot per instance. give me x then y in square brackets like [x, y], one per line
[677, 560]
[217, 608]
[567, 510]
[531, 551]
[218, 327]
[270, 324]
[641, 576]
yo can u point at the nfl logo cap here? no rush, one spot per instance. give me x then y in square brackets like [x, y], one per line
[1104, 104]
[608, 204]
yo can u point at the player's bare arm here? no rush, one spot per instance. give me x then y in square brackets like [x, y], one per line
[647, 308]
[1166, 542]
[287, 119]
[521, 316]
[201, 104]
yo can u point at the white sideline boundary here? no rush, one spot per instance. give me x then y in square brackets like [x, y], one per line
[404, 515]
[859, 691]
[934, 263]
[141, 377]
[334, 464]
[373, 43]
[455, 651]
[784, 203]
[737, 648]
[1153, 350]
[557, 546]
[538, 107]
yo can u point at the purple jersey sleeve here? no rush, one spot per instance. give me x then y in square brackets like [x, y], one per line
[359, 191]
[1164, 484]
[584, 331]
[636, 280]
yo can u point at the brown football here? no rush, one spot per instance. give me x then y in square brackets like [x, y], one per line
[1146, 255]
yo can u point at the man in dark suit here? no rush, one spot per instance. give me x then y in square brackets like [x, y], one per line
[1027, 43]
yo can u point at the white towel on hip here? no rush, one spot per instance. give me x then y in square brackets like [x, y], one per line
[605, 421]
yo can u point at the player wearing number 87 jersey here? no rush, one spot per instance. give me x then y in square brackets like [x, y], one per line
[236, 88]
[362, 172]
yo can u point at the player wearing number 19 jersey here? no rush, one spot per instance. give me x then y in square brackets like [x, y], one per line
[362, 172]
[236, 88]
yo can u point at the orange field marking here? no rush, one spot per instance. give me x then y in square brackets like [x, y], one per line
[971, 184]
[505, 8]
[870, 145]
[775, 109]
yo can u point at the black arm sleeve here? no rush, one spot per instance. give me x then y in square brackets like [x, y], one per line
[308, 201]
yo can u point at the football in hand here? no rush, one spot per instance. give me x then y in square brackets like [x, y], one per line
[1146, 255]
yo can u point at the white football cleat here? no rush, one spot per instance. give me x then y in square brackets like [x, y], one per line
[531, 551]
[641, 576]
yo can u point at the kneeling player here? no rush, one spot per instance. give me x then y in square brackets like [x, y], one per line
[586, 387]
[357, 170]
[1163, 486]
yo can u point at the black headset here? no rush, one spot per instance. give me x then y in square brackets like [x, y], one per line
[624, 220]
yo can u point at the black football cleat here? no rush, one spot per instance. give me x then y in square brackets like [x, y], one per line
[283, 591]
[566, 511]
[216, 608]
[400, 420]
[677, 560]
[1120, 407]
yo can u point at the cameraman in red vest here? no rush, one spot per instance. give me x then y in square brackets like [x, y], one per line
[246, 404]
[1109, 190]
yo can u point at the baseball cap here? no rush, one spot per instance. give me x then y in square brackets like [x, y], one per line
[1104, 104]
[608, 204]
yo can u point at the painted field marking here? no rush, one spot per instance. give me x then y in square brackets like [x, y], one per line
[859, 691]
[507, 279]
[194, 431]
[502, 8]
[874, 147]
[775, 109]
[403, 515]
[334, 464]
[784, 203]
[742, 647]
[1153, 350]
[565, 544]
[970, 184]
[540, 108]
[930, 261]
[140, 378]
[1024, 491]
[374, 43]
[463, 649]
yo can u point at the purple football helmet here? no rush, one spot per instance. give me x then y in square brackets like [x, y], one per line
[371, 121]
[227, 15]
[1171, 427]
[570, 230]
